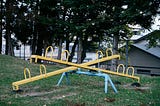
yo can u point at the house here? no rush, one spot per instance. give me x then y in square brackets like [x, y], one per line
[145, 60]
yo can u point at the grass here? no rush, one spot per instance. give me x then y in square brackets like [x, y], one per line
[83, 90]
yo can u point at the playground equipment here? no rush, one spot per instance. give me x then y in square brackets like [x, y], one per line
[74, 66]
[86, 65]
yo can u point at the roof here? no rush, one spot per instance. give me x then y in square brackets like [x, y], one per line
[142, 44]
[155, 51]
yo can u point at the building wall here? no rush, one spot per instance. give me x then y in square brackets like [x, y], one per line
[23, 52]
[144, 62]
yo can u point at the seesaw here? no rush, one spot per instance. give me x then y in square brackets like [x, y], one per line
[38, 77]
[86, 65]
[74, 66]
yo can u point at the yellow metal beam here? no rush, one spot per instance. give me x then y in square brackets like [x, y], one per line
[73, 67]
[38, 77]
[86, 65]
[36, 57]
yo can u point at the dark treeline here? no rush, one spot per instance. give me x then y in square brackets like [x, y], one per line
[41, 23]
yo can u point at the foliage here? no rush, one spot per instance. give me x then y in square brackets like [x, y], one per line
[154, 38]
[44, 22]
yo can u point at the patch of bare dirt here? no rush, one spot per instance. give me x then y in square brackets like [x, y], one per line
[36, 93]
[128, 86]
[57, 97]
[109, 99]
[33, 93]
[63, 96]
[68, 103]
[142, 89]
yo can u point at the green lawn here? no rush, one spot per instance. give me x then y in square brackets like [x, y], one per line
[83, 90]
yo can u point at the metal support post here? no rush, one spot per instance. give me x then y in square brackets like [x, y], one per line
[67, 78]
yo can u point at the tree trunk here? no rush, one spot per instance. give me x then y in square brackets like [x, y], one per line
[24, 53]
[6, 46]
[84, 46]
[35, 27]
[7, 34]
[1, 38]
[59, 49]
[114, 62]
[46, 43]
[80, 50]
[34, 42]
[9, 49]
[83, 55]
[73, 50]
[39, 45]
[67, 44]
[1, 16]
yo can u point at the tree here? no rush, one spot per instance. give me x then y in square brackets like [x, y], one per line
[44, 24]
[153, 38]
[83, 15]
[59, 21]
[9, 10]
[119, 13]
[1, 28]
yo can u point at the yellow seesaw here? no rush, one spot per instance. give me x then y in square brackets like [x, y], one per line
[86, 65]
[73, 66]
[16, 84]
